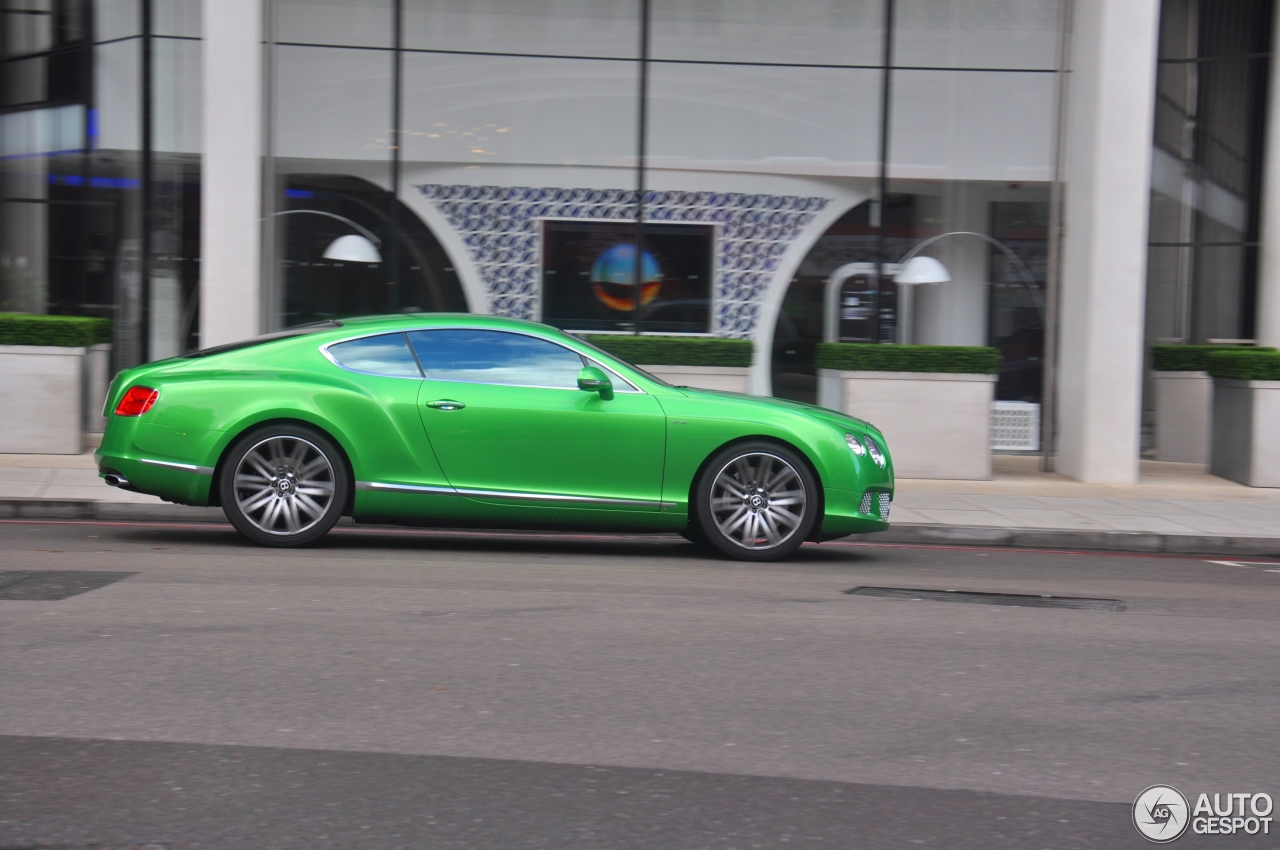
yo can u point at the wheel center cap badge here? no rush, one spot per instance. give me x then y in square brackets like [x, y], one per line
[756, 501]
[285, 486]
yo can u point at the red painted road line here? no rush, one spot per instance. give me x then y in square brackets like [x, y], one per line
[525, 535]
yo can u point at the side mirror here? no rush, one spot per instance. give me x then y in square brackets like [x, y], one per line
[594, 380]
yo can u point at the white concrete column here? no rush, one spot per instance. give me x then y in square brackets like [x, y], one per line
[1108, 171]
[231, 182]
[1267, 325]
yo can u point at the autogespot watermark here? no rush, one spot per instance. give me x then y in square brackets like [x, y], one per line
[1162, 813]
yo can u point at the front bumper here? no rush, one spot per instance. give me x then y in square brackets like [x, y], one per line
[844, 514]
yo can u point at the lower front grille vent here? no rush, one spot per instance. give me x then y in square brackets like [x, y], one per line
[880, 501]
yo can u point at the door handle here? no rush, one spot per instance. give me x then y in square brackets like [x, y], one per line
[445, 404]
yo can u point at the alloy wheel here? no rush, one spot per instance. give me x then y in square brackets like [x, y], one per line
[758, 501]
[284, 485]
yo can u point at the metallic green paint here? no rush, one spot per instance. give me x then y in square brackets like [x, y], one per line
[505, 455]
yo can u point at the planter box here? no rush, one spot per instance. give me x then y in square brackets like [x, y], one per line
[96, 381]
[733, 379]
[1246, 422]
[1184, 414]
[49, 380]
[937, 425]
[62, 391]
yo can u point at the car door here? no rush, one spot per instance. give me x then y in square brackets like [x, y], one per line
[508, 424]
[379, 413]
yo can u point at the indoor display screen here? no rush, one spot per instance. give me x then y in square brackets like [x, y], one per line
[589, 272]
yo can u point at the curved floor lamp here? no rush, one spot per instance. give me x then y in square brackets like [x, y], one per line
[350, 248]
[914, 269]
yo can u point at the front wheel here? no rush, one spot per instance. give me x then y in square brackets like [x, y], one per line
[757, 501]
[284, 485]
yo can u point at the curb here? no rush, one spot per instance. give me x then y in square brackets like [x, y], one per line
[91, 509]
[1137, 542]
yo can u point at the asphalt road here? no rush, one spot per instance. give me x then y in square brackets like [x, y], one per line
[401, 689]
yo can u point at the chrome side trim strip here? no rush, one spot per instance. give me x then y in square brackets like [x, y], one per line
[403, 488]
[550, 497]
[186, 467]
[379, 486]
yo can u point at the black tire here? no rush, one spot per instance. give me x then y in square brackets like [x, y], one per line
[284, 485]
[763, 480]
[693, 533]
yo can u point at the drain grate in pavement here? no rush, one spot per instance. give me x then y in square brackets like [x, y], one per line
[1018, 600]
[51, 585]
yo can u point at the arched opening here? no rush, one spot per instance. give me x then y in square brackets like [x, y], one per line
[403, 267]
[851, 239]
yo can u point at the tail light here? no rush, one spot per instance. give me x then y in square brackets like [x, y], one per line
[137, 401]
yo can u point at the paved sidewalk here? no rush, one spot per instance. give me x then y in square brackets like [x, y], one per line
[1175, 507]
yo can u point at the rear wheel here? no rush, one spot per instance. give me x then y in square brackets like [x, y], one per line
[284, 485]
[757, 501]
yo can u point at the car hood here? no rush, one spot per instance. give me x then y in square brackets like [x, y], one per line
[823, 414]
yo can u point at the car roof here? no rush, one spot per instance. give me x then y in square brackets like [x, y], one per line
[398, 321]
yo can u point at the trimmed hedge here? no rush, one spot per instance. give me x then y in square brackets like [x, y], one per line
[1185, 358]
[1246, 364]
[65, 331]
[870, 357]
[675, 350]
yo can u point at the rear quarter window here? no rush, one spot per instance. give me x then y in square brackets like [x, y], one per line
[384, 354]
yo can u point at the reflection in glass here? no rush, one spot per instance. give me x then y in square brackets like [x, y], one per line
[972, 125]
[1211, 84]
[603, 28]
[385, 354]
[334, 103]
[811, 32]
[482, 110]
[116, 19]
[495, 357]
[354, 23]
[1013, 34]
[816, 119]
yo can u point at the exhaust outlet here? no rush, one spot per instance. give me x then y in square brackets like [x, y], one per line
[115, 479]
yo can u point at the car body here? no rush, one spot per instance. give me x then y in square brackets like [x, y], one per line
[482, 423]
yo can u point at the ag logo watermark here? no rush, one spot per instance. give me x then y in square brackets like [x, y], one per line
[1162, 813]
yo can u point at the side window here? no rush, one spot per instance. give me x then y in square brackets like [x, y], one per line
[385, 354]
[495, 357]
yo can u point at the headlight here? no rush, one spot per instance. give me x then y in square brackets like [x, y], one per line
[874, 451]
[855, 444]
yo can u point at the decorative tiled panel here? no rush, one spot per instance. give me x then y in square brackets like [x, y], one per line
[499, 225]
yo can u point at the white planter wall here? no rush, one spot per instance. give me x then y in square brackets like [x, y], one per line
[96, 380]
[49, 382]
[1246, 424]
[732, 379]
[936, 425]
[1184, 416]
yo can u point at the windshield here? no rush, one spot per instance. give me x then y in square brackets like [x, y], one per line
[618, 359]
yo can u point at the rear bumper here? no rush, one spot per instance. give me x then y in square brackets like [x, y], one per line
[184, 484]
[159, 460]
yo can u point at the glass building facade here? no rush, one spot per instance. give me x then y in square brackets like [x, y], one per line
[738, 168]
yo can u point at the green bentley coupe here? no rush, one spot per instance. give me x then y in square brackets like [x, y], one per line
[463, 420]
